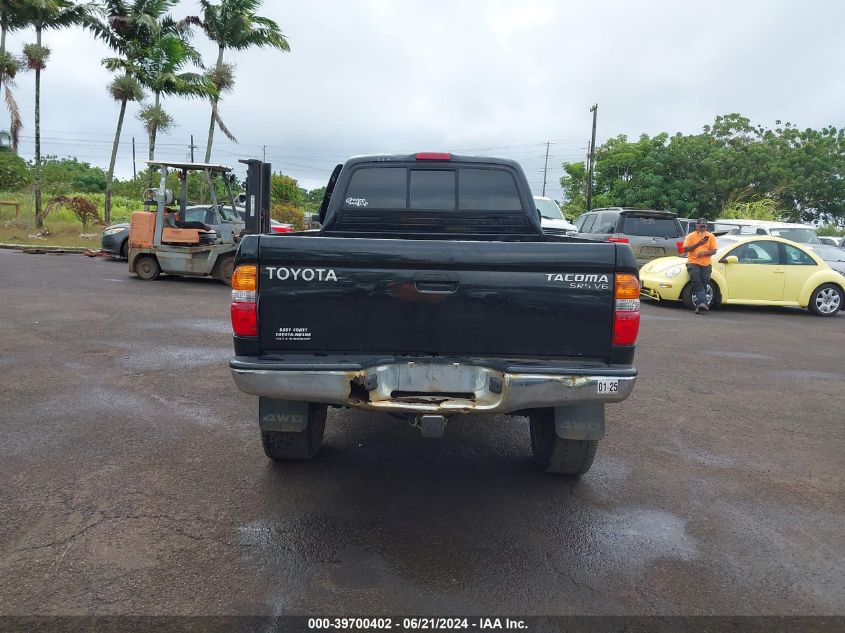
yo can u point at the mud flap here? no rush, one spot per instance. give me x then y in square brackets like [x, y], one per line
[282, 415]
[580, 422]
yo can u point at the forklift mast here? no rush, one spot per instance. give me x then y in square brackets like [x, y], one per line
[258, 175]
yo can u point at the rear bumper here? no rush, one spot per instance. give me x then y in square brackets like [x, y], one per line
[428, 386]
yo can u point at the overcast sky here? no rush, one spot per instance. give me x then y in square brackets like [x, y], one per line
[487, 77]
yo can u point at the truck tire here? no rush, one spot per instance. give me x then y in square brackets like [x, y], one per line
[553, 454]
[297, 445]
[223, 269]
[147, 268]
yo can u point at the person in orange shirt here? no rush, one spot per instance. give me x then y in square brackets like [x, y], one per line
[700, 246]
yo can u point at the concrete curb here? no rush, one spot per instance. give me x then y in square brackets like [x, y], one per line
[45, 248]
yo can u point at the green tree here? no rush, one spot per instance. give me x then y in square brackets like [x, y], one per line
[285, 189]
[63, 176]
[44, 15]
[10, 20]
[14, 172]
[574, 183]
[165, 75]
[131, 30]
[731, 162]
[233, 24]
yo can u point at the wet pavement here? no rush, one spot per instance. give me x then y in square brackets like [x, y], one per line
[133, 480]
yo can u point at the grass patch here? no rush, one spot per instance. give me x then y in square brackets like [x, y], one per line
[62, 226]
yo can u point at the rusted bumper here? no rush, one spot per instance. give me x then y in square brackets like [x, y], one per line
[440, 387]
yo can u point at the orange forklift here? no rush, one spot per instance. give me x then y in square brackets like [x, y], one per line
[194, 240]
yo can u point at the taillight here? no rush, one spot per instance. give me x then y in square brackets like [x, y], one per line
[434, 156]
[618, 240]
[244, 308]
[680, 248]
[626, 313]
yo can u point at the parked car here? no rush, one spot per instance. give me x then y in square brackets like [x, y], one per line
[717, 227]
[275, 227]
[754, 270]
[834, 256]
[115, 239]
[551, 217]
[651, 234]
[803, 233]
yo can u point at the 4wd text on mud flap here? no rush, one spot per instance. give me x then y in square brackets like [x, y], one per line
[284, 417]
[306, 274]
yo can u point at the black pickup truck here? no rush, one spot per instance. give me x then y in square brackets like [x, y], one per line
[431, 291]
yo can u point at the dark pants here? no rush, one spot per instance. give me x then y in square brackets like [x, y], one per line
[700, 276]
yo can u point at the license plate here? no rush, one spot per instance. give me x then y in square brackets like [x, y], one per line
[608, 385]
[652, 250]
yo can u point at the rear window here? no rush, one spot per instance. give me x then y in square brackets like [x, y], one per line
[377, 188]
[488, 190]
[432, 189]
[649, 227]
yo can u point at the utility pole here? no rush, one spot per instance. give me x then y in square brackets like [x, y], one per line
[192, 147]
[594, 110]
[545, 169]
[134, 171]
[264, 152]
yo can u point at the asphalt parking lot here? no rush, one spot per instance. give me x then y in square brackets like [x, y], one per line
[133, 480]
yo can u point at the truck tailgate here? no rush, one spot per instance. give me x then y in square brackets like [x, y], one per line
[435, 297]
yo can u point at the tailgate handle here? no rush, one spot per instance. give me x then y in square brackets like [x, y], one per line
[436, 282]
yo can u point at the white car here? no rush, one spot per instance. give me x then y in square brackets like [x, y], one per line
[551, 217]
[801, 233]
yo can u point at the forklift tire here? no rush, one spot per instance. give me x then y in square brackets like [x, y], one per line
[224, 268]
[147, 268]
[554, 454]
[297, 445]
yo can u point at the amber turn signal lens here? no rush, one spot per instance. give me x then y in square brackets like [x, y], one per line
[627, 286]
[245, 277]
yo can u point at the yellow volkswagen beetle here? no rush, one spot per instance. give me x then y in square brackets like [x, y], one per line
[756, 270]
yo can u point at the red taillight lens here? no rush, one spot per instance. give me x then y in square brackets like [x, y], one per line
[244, 307]
[680, 248]
[244, 319]
[618, 240]
[434, 156]
[626, 314]
[281, 229]
[626, 326]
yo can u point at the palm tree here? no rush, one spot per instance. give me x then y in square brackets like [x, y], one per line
[131, 30]
[10, 20]
[44, 15]
[233, 24]
[164, 77]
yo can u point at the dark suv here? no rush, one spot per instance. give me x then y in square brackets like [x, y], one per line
[651, 234]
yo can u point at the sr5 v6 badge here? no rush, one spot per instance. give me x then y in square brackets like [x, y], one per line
[588, 281]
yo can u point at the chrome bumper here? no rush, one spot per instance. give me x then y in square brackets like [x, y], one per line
[445, 388]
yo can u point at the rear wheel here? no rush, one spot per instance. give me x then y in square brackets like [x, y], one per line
[826, 300]
[553, 454]
[224, 268]
[297, 445]
[124, 249]
[147, 268]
